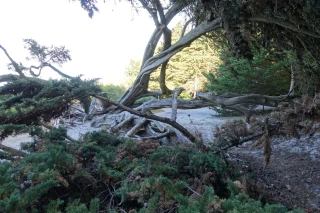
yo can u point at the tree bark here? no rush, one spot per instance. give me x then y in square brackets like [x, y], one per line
[150, 65]
[152, 117]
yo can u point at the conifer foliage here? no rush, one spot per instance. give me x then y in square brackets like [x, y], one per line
[103, 173]
[28, 100]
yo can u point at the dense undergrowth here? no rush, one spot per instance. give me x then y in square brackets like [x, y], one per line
[102, 173]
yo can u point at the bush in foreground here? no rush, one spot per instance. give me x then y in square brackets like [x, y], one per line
[103, 173]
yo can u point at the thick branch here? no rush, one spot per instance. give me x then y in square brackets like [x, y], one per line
[155, 37]
[176, 93]
[151, 12]
[242, 99]
[161, 13]
[58, 71]
[183, 31]
[181, 104]
[15, 64]
[153, 117]
[154, 134]
[136, 128]
[281, 23]
[167, 43]
[154, 62]
[123, 123]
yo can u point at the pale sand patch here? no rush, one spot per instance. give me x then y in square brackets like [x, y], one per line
[15, 141]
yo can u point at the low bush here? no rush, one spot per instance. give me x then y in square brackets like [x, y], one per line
[104, 173]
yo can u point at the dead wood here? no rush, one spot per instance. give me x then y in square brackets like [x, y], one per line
[122, 124]
[154, 134]
[174, 124]
[241, 99]
[176, 93]
[239, 142]
[136, 128]
[167, 102]
[158, 125]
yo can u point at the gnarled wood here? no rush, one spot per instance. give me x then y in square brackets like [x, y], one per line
[176, 93]
[136, 128]
[138, 87]
[153, 117]
[122, 124]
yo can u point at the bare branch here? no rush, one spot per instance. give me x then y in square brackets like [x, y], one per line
[141, 83]
[155, 37]
[136, 128]
[185, 28]
[240, 142]
[241, 99]
[15, 64]
[181, 104]
[155, 135]
[122, 124]
[57, 71]
[161, 13]
[38, 68]
[153, 117]
[176, 93]
[151, 12]
[283, 24]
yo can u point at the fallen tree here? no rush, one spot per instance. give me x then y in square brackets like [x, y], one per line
[205, 16]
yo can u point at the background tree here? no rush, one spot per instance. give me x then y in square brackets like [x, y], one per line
[131, 72]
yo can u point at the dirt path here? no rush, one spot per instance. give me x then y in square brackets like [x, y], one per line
[293, 175]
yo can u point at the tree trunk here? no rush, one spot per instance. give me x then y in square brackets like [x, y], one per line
[139, 87]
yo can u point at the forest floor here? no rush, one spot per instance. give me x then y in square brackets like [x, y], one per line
[292, 177]
[293, 174]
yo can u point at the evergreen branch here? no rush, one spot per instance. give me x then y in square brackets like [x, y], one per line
[11, 150]
[50, 127]
[9, 77]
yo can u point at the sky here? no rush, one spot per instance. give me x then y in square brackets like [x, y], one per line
[100, 47]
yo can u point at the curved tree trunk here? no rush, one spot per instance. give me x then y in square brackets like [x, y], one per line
[139, 86]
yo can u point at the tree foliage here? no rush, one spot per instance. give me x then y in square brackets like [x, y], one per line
[265, 74]
[104, 173]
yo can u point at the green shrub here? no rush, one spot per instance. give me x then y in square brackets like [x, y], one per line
[104, 173]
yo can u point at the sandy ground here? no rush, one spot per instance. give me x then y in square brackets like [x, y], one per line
[201, 121]
[15, 141]
[292, 177]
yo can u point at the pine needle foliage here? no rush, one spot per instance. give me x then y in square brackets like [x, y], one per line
[30, 100]
[267, 73]
[104, 173]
